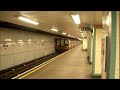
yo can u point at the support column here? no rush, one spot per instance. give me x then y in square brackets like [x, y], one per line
[96, 63]
[111, 46]
[84, 43]
[90, 43]
[117, 64]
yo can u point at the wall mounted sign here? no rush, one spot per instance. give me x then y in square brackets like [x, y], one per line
[86, 28]
[5, 45]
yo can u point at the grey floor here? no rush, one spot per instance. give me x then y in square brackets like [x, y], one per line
[73, 65]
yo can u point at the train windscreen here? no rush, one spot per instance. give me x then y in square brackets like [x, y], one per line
[66, 42]
[62, 42]
[58, 42]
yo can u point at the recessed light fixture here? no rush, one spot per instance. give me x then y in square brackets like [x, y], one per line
[54, 29]
[69, 35]
[64, 33]
[28, 20]
[76, 19]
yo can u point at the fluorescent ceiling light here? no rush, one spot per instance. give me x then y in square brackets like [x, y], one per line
[19, 40]
[76, 19]
[8, 40]
[69, 35]
[29, 40]
[53, 29]
[64, 33]
[28, 20]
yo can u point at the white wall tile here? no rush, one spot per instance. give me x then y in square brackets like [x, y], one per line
[98, 51]
[19, 47]
[36, 54]
[28, 36]
[34, 36]
[117, 66]
[41, 52]
[25, 52]
[7, 61]
[18, 35]
[7, 50]
[84, 43]
[32, 55]
[19, 58]
[117, 74]
[117, 63]
[6, 34]
[35, 45]
[27, 56]
[28, 46]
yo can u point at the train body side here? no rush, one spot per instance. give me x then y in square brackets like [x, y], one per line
[63, 44]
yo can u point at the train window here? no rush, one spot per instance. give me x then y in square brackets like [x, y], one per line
[62, 42]
[66, 42]
[58, 42]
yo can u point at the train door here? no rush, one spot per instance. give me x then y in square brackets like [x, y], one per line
[66, 44]
[62, 42]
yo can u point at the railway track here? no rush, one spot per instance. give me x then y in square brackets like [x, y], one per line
[14, 71]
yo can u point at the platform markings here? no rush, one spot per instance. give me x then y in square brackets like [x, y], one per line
[21, 76]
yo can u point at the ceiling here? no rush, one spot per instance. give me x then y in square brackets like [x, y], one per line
[60, 19]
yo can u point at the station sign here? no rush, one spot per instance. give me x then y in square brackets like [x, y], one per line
[86, 28]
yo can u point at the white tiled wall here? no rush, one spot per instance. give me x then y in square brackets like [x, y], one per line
[98, 51]
[27, 56]
[23, 46]
[117, 65]
[85, 43]
[19, 58]
[6, 61]
[117, 68]
[91, 48]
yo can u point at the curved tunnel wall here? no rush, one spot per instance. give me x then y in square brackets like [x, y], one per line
[17, 46]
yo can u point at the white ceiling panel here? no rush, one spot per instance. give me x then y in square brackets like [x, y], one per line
[61, 19]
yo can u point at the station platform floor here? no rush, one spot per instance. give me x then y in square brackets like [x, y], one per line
[72, 65]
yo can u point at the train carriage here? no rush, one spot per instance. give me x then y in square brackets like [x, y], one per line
[64, 44]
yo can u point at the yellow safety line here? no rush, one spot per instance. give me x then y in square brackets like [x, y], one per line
[35, 69]
[44, 64]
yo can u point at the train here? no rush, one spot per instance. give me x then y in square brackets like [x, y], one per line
[64, 44]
